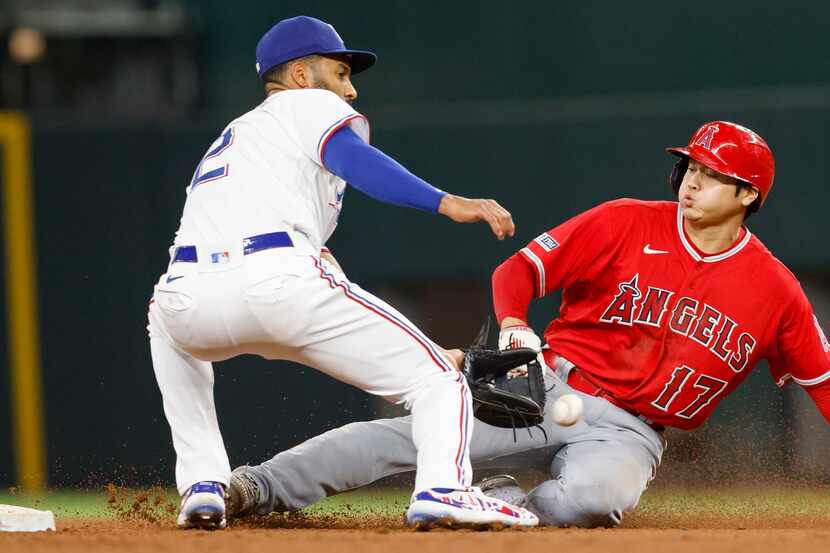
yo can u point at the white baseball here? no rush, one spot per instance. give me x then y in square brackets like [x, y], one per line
[567, 410]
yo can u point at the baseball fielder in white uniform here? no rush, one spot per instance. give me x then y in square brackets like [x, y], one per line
[249, 273]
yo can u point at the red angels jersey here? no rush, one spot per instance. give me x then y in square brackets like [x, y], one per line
[666, 329]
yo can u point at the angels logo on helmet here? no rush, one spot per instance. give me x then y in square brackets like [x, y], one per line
[705, 139]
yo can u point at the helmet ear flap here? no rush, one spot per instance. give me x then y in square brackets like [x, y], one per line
[677, 172]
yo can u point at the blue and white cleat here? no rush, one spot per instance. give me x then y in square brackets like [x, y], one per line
[203, 506]
[448, 508]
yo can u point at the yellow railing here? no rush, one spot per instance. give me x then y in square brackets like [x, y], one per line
[21, 299]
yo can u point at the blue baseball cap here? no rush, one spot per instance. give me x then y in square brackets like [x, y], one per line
[302, 36]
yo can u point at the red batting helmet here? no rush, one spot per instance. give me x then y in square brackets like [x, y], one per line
[732, 150]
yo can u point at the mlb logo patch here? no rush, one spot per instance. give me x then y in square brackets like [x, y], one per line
[220, 257]
[547, 242]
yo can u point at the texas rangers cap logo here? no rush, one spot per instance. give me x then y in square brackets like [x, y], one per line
[706, 138]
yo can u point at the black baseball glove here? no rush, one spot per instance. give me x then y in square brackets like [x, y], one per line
[500, 399]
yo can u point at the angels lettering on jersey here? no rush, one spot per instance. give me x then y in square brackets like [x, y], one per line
[704, 324]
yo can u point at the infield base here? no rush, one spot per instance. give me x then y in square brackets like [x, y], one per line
[22, 519]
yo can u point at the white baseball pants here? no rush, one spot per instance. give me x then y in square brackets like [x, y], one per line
[288, 304]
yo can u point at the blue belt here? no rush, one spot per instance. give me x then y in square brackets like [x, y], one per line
[258, 243]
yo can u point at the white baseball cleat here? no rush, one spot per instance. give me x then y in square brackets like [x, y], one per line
[203, 506]
[445, 507]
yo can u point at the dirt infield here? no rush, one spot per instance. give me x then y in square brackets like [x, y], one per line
[390, 536]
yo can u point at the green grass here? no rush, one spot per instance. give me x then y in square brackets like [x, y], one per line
[64, 503]
[380, 502]
[737, 502]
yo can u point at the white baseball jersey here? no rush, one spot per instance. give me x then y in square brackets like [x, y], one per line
[265, 172]
[264, 175]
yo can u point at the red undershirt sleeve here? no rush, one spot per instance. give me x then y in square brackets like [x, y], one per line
[821, 395]
[513, 288]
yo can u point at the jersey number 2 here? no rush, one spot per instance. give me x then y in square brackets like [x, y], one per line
[709, 387]
[199, 177]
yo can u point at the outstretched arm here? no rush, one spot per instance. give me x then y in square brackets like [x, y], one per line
[384, 179]
[512, 291]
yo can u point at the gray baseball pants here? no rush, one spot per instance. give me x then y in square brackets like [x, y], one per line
[599, 467]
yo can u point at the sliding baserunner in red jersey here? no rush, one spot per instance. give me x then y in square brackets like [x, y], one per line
[666, 308]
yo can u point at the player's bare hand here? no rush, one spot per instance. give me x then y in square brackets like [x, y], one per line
[456, 356]
[466, 210]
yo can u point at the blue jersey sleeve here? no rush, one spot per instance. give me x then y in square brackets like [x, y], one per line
[377, 175]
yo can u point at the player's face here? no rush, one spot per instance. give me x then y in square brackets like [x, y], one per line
[708, 197]
[334, 74]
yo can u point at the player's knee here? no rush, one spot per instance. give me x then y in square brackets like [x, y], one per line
[585, 501]
[608, 496]
[599, 504]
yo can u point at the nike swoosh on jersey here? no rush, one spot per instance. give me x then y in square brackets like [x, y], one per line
[648, 251]
[172, 278]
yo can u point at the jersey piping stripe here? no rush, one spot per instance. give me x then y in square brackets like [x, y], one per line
[324, 139]
[410, 330]
[709, 258]
[810, 382]
[460, 455]
[540, 269]
[424, 343]
[423, 340]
